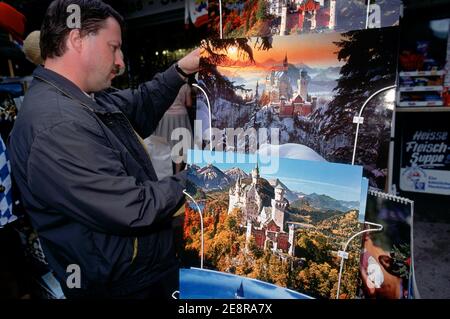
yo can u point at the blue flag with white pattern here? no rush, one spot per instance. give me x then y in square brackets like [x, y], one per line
[6, 213]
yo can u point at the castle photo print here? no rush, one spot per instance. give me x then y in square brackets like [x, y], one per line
[310, 87]
[256, 18]
[280, 227]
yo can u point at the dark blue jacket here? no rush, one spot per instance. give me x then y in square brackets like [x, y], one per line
[89, 186]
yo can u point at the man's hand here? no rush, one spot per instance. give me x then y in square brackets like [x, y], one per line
[190, 63]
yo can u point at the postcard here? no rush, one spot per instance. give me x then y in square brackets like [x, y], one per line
[309, 87]
[276, 220]
[386, 261]
[267, 17]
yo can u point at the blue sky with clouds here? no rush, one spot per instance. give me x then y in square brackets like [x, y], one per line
[340, 181]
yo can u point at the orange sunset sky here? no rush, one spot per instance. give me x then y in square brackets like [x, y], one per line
[314, 50]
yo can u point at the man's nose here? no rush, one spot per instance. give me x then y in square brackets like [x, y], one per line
[119, 61]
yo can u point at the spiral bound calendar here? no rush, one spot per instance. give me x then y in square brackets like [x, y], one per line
[374, 192]
[386, 266]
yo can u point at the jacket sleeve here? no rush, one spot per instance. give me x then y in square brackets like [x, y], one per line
[73, 171]
[146, 105]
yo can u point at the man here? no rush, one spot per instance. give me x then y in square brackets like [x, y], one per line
[85, 178]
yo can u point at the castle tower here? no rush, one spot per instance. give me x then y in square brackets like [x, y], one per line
[332, 23]
[235, 196]
[279, 206]
[255, 174]
[275, 7]
[303, 85]
[283, 25]
[285, 62]
[269, 84]
[272, 78]
[237, 188]
[314, 20]
[291, 240]
[248, 234]
[284, 82]
[279, 193]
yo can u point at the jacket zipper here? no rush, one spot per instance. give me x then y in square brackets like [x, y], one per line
[135, 249]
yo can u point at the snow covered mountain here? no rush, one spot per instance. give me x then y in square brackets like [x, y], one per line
[325, 202]
[236, 172]
[209, 178]
[328, 74]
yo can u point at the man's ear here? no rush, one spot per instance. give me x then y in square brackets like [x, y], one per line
[74, 40]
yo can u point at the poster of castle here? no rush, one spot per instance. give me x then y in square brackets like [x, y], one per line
[310, 87]
[284, 228]
[284, 17]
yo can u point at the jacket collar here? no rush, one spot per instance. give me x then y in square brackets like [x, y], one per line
[67, 87]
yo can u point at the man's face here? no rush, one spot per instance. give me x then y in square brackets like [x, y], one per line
[102, 57]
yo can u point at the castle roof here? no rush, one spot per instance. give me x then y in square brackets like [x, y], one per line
[267, 211]
[310, 5]
[298, 99]
[270, 224]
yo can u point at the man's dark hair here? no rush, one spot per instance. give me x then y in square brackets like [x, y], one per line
[54, 30]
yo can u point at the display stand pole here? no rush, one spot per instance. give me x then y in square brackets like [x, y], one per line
[414, 283]
[391, 154]
[220, 19]
[344, 255]
[359, 119]
[201, 226]
[367, 14]
[210, 115]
